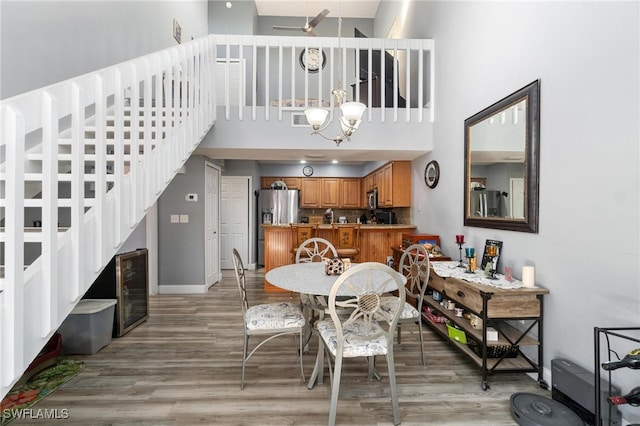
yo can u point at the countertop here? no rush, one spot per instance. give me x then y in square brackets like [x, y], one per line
[363, 226]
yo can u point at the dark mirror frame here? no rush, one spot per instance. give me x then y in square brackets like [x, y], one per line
[531, 92]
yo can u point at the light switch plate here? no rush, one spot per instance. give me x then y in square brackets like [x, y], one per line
[175, 218]
[184, 218]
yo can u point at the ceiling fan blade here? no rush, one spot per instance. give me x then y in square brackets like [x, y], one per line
[315, 21]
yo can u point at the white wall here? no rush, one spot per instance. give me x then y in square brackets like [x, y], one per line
[586, 55]
[44, 42]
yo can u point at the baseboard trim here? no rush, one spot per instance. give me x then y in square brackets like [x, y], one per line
[182, 289]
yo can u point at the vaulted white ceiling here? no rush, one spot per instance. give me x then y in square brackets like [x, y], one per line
[310, 8]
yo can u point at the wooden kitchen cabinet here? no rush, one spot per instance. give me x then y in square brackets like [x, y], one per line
[330, 193]
[368, 182]
[310, 193]
[385, 196]
[351, 194]
[291, 182]
[393, 181]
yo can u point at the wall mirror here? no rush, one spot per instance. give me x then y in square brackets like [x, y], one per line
[501, 156]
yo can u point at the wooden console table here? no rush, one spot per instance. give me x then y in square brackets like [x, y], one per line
[514, 313]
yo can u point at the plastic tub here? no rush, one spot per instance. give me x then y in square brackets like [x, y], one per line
[89, 327]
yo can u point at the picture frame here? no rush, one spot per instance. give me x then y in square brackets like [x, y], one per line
[432, 174]
[177, 31]
[486, 259]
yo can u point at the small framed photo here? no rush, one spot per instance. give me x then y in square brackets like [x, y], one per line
[177, 31]
[486, 258]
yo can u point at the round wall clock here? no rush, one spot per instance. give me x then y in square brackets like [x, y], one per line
[432, 174]
[307, 170]
[312, 59]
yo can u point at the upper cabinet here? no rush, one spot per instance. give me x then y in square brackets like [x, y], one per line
[393, 181]
[331, 193]
[351, 193]
[368, 182]
[310, 193]
[291, 182]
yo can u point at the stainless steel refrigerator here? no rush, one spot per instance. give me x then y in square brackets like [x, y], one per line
[277, 207]
[486, 203]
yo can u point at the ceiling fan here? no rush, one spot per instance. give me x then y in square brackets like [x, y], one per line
[308, 28]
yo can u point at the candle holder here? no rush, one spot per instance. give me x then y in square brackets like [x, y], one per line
[492, 253]
[460, 242]
[470, 253]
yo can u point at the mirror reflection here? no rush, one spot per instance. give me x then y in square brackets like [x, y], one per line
[501, 163]
[497, 164]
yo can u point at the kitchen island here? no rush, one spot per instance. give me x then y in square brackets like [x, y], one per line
[376, 243]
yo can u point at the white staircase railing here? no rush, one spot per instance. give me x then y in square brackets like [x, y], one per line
[88, 157]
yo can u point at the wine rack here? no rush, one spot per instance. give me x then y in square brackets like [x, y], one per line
[607, 333]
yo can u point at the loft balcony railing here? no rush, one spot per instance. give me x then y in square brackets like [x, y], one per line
[267, 71]
[87, 157]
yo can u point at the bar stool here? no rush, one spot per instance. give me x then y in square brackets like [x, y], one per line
[301, 232]
[346, 240]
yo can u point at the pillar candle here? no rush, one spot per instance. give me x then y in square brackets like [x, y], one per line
[459, 239]
[528, 276]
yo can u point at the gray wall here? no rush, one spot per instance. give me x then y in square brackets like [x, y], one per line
[586, 55]
[181, 245]
[44, 42]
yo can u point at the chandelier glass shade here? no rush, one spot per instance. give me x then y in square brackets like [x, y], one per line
[350, 117]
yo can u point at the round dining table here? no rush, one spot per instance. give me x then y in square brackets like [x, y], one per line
[311, 278]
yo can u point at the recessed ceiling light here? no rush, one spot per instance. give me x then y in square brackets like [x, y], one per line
[229, 5]
[334, 161]
[303, 161]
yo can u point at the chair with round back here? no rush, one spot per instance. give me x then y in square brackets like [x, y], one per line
[268, 321]
[314, 250]
[414, 264]
[366, 331]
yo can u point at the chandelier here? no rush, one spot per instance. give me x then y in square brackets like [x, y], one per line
[350, 112]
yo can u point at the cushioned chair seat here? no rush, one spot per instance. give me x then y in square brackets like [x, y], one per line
[389, 304]
[354, 346]
[274, 316]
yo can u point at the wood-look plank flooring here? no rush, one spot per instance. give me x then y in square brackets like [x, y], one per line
[182, 367]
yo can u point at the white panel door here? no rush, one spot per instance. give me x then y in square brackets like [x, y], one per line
[212, 220]
[234, 219]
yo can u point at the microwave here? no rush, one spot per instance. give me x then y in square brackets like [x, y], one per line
[372, 199]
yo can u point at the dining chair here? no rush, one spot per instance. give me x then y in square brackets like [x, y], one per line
[268, 321]
[314, 250]
[414, 264]
[346, 239]
[366, 330]
[300, 232]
